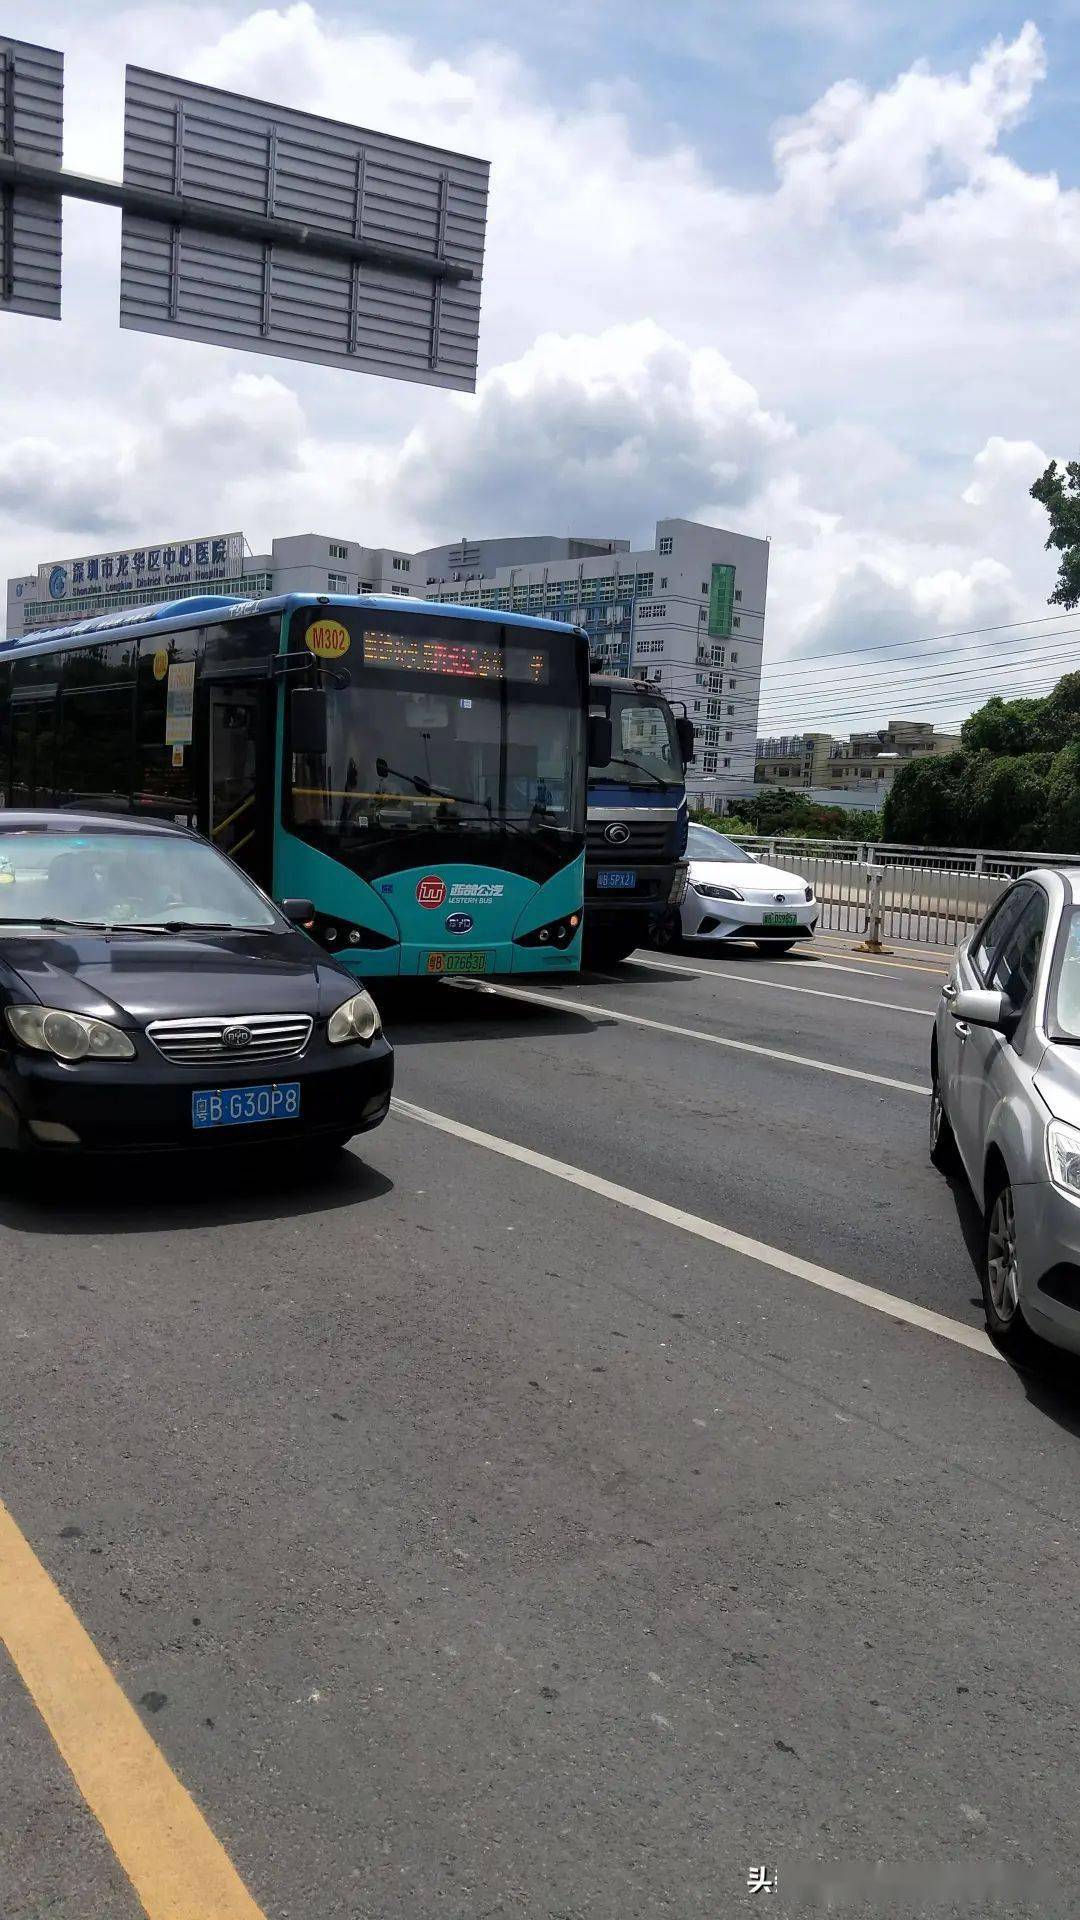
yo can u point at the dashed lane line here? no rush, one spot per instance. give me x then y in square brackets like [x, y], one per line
[749, 979]
[897, 1309]
[692, 1033]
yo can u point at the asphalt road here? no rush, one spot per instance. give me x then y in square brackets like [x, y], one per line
[473, 1539]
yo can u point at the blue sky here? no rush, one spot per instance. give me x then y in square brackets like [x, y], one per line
[808, 268]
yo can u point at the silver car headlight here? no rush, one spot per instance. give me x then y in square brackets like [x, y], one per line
[1063, 1156]
[716, 893]
[355, 1019]
[68, 1036]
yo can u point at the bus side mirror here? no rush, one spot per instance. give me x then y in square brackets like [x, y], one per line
[685, 730]
[307, 720]
[599, 739]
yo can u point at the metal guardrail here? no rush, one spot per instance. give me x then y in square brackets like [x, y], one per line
[931, 895]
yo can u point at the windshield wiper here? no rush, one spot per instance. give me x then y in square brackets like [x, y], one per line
[420, 785]
[620, 760]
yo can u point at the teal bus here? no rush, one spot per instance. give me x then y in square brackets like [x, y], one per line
[417, 771]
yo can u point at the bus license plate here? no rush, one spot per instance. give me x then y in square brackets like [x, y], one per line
[457, 963]
[780, 919]
[616, 877]
[245, 1106]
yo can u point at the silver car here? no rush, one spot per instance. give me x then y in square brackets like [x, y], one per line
[1005, 1103]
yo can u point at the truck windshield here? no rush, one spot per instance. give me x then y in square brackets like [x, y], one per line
[644, 744]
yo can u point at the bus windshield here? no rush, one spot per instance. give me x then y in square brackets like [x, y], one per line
[437, 735]
[644, 743]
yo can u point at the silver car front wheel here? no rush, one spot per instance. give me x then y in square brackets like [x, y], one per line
[1002, 1269]
[1001, 1274]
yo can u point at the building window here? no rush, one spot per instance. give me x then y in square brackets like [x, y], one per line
[718, 654]
[736, 620]
[729, 736]
[656, 610]
[731, 686]
[708, 763]
[338, 552]
[731, 706]
[663, 580]
[703, 614]
[401, 565]
[734, 657]
[399, 590]
[665, 545]
[738, 593]
[704, 586]
[338, 582]
[727, 760]
[697, 706]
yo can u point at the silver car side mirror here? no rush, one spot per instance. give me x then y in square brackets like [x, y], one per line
[983, 1007]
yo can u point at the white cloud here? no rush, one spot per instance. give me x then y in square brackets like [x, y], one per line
[884, 151]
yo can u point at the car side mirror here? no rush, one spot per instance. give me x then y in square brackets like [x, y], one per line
[600, 740]
[300, 912]
[307, 720]
[685, 730]
[984, 1007]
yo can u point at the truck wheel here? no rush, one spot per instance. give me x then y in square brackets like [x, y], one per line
[607, 949]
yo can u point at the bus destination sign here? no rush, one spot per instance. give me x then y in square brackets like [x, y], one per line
[459, 659]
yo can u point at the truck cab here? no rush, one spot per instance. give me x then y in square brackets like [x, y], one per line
[635, 873]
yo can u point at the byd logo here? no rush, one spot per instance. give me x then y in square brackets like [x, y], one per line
[431, 891]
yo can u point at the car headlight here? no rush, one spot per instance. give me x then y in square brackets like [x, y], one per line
[68, 1036]
[355, 1019]
[716, 893]
[1063, 1156]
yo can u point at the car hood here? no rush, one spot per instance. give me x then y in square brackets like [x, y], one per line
[1057, 1082]
[754, 881]
[133, 978]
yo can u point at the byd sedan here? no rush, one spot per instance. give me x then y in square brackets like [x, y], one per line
[1005, 1103]
[731, 896]
[152, 997]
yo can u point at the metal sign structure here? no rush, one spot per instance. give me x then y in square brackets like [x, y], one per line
[400, 292]
[259, 227]
[31, 133]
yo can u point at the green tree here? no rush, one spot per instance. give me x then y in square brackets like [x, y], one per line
[1057, 723]
[1063, 801]
[1005, 800]
[927, 802]
[1001, 726]
[1059, 492]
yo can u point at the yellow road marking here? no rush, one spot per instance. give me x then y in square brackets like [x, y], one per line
[178, 1868]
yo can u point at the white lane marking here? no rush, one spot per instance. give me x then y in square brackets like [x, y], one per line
[749, 979]
[692, 1033]
[759, 1250]
[824, 966]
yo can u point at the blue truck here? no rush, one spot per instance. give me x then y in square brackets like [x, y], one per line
[635, 872]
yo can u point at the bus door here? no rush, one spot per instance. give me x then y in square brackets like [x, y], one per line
[240, 775]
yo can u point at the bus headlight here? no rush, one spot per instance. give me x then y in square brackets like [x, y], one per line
[68, 1036]
[557, 933]
[355, 1019]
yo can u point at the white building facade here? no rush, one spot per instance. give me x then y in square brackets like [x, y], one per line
[687, 613]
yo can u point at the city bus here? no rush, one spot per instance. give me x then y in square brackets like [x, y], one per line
[416, 771]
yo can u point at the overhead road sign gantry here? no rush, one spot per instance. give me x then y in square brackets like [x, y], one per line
[31, 135]
[260, 227]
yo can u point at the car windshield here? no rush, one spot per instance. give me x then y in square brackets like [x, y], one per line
[123, 879]
[704, 843]
[1065, 993]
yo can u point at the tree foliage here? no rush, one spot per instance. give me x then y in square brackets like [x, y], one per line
[795, 815]
[1058, 490]
[1014, 783]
